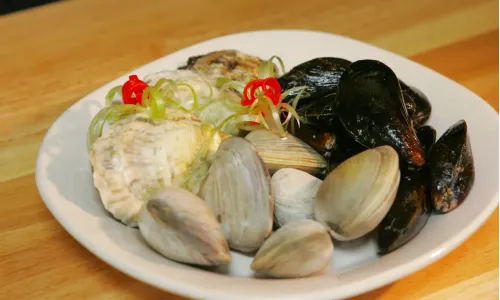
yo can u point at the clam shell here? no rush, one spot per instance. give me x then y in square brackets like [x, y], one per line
[291, 152]
[238, 190]
[355, 197]
[181, 227]
[299, 249]
[294, 194]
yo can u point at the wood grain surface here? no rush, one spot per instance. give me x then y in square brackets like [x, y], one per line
[53, 55]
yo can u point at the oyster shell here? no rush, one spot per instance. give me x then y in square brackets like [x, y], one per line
[238, 190]
[136, 155]
[232, 64]
[291, 152]
[181, 227]
[355, 197]
[294, 193]
[452, 168]
[298, 249]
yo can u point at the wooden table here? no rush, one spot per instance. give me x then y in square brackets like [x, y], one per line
[53, 55]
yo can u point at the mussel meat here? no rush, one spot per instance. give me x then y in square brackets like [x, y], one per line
[320, 75]
[427, 136]
[451, 168]
[408, 214]
[371, 108]
[422, 106]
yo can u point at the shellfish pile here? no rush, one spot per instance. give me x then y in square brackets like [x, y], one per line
[357, 158]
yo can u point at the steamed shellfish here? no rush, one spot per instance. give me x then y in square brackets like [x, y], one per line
[137, 155]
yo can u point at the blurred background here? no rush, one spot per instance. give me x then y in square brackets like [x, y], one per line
[10, 6]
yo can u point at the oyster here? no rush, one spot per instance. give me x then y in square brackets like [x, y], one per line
[238, 190]
[422, 106]
[355, 197]
[294, 193]
[409, 212]
[427, 136]
[371, 108]
[232, 64]
[451, 168]
[320, 75]
[298, 249]
[181, 227]
[136, 155]
[291, 152]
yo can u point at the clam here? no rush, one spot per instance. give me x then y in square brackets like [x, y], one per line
[294, 193]
[290, 152]
[238, 190]
[181, 227]
[298, 249]
[137, 155]
[355, 197]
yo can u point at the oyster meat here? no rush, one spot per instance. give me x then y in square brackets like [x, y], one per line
[371, 108]
[136, 155]
[355, 197]
[181, 227]
[409, 212]
[238, 190]
[298, 249]
[451, 168]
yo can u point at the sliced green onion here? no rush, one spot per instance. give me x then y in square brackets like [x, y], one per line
[266, 68]
[275, 116]
[193, 92]
[111, 94]
[109, 114]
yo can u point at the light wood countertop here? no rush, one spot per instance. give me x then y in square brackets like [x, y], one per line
[53, 55]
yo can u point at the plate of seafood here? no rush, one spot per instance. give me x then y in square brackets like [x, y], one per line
[281, 164]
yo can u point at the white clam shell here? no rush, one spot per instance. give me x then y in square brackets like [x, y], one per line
[294, 195]
[299, 249]
[355, 197]
[238, 190]
[181, 227]
[291, 152]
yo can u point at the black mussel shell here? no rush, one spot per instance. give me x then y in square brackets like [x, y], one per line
[319, 112]
[427, 136]
[422, 110]
[320, 75]
[331, 141]
[408, 214]
[371, 108]
[407, 99]
[451, 168]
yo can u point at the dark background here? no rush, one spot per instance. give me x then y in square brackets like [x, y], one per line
[10, 6]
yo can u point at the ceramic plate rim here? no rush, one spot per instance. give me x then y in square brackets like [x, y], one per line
[181, 287]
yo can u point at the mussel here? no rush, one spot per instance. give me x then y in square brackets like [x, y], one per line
[320, 75]
[427, 136]
[422, 106]
[408, 214]
[371, 108]
[451, 168]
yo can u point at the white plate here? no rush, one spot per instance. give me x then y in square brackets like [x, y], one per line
[64, 180]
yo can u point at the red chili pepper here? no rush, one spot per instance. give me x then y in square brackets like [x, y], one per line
[270, 88]
[132, 90]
